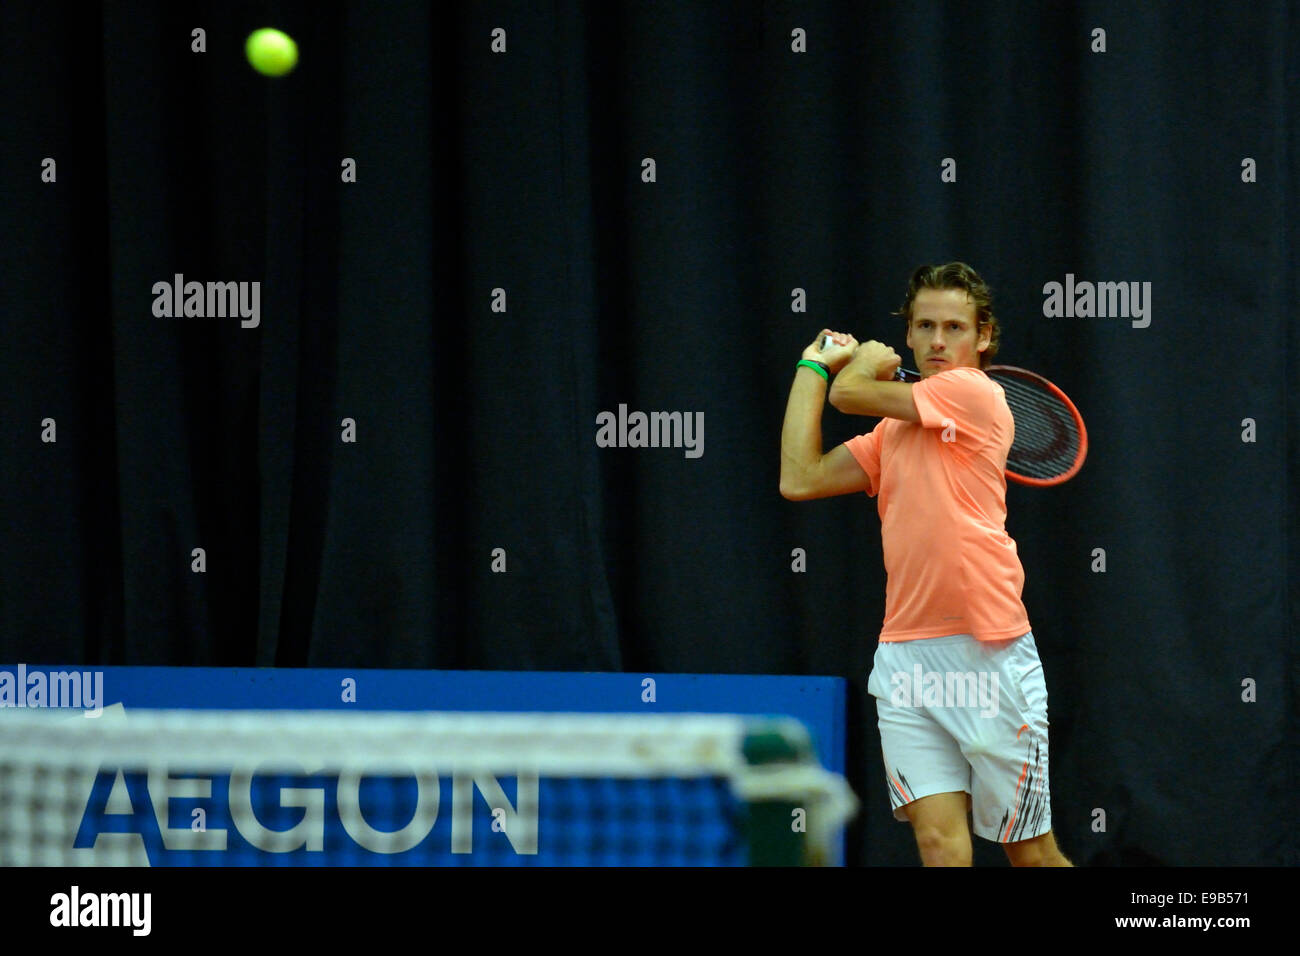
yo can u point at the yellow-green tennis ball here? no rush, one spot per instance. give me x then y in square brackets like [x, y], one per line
[271, 52]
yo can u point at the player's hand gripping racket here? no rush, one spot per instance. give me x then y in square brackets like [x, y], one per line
[1051, 441]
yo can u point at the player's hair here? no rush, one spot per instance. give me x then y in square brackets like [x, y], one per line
[958, 275]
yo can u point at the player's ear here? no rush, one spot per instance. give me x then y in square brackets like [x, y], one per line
[986, 335]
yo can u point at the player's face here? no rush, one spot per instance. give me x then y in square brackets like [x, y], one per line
[943, 333]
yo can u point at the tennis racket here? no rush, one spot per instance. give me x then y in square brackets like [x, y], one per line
[1051, 441]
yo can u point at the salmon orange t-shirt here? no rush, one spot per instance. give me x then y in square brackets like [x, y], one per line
[942, 494]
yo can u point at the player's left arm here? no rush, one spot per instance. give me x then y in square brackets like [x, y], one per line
[875, 398]
[865, 386]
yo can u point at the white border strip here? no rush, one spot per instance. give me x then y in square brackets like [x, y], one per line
[572, 745]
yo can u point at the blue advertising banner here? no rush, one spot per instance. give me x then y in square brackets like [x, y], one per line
[177, 817]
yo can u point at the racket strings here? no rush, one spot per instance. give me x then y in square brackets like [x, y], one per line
[1047, 437]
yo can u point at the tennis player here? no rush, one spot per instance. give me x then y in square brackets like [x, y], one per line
[959, 688]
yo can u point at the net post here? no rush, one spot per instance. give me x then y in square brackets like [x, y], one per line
[773, 816]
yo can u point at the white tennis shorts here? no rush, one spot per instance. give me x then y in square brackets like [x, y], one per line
[958, 714]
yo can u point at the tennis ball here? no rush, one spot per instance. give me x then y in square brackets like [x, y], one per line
[271, 52]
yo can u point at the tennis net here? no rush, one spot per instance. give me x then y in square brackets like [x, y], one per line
[303, 788]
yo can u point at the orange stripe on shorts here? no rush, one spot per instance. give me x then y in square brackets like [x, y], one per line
[897, 786]
[1016, 809]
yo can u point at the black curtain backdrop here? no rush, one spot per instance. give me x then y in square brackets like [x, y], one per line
[475, 427]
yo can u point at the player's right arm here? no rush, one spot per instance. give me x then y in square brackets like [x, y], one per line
[805, 472]
[835, 473]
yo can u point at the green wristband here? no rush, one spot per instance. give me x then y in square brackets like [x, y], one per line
[818, 367]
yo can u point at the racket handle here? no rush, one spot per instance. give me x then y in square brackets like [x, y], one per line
[900, 374]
